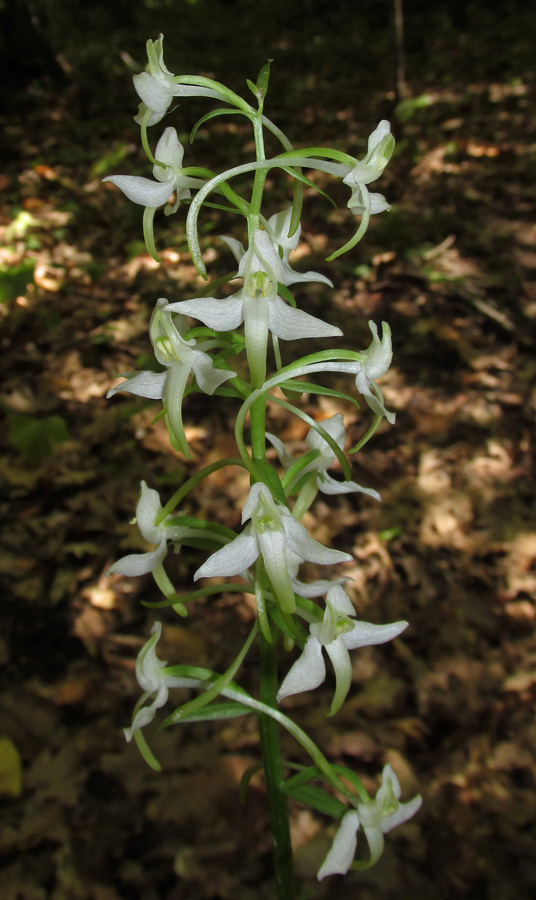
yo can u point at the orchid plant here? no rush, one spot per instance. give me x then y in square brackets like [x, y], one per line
[274, 542]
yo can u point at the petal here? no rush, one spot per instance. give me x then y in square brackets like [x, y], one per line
[378, 204]
[145, 384]
[279, 225]
[307, 673]
[272, 543]
[222, 315]
[330, 486]
[307, 548]
[341, 855]
[256, 317]
[334, 426]
[232, 559]
[153, 93]
[256, 492]
[141, 190]
[148, 667]
[404, 812]
[208, 378]
[340, 659]
[236, 247]
[169, 149]
[172, 395]
[140, 563]
[375, 841]
[378, 135]
[339, 601]
[365, 634]
[291, 324]
[285, 458]
[290, 276]
[147, 510]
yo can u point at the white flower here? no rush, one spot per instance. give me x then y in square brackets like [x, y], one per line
[376, 362]
[380, 148]
[152, 679]
[180, 359]
[169, 178]
[328, 485]
[277, 228]
[258, 305]
[147, 512]
[157, 86]
[376, 817]
[338, 633]
[314, 588]
[273, 531]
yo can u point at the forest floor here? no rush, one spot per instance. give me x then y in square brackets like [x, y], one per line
[452, 547]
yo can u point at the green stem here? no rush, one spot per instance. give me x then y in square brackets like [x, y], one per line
[273, 769]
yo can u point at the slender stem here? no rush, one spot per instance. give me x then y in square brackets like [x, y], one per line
[273, 769]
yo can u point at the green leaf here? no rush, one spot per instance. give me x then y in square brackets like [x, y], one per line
[316, 798]
[307, 387]
[263, 79]
[215, 711]
[34, 438]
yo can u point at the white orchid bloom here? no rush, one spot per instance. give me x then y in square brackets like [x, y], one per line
[181, 358]
[376, 362]
[376, 817]
[381, 144]
[272, 533]
[157, 87]
[338, 633]
[258, 305]
[169, 178]
[325, 459]
[278, 228]
[153, 680]
[147, 512]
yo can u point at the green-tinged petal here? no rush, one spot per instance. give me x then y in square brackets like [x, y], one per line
[340, 659]
[172, 396]
[272, 543]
